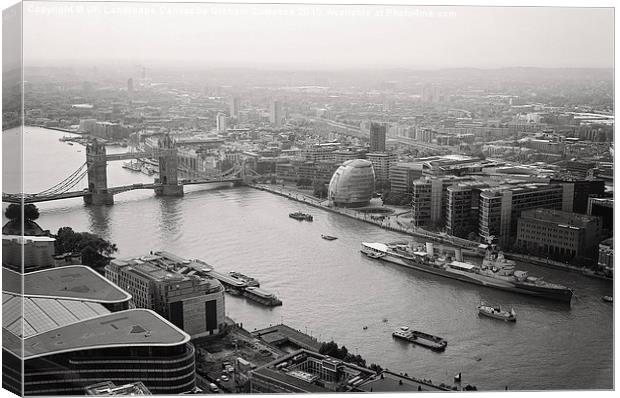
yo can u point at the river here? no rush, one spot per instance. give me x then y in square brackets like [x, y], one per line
[331, 290]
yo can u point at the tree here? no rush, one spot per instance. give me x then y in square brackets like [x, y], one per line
[95, 250]
[14, 212]
[320, 190]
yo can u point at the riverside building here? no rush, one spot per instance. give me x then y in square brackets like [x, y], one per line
[353, 184]
[558, 234]
[428, 199]
[500, 207]
[308, 371]
[70, 328]
[174, 288]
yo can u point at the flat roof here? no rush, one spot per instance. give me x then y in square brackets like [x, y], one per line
[392, 382]
[134, 327]
[76, 282]
[290, 380]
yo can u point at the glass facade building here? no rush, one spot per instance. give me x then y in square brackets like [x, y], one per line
[353, 184]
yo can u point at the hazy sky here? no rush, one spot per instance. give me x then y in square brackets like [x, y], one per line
[312, 37]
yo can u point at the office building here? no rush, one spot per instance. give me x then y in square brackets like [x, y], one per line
[38, 252]
[377, 137]
[235, 105]
[166, 284]
[353, 184]
[604, 208]
[275, 114]
[463, 201]
[582, 191]
[381, 163]
[73, 328]
[501, 206]
[308, 371]
[295, 170]
[428, 199]
[87, 125]
[557, 234]
[221, 122]
[402, 175]
[130, 86]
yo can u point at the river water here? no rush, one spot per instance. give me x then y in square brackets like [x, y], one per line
[331, 290]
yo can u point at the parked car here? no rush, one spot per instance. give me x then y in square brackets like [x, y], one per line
[213, 387]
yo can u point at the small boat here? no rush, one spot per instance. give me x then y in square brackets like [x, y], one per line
[458, 377]
[70, 143]
[329, 237]
[252, 282]
[365, 327]
[495, 311]
[262, 296]
[608, 299]
[301, 216]
[133, 166]
[420, 338]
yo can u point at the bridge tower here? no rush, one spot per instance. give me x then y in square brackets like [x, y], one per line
[168, 168]
[97, 175]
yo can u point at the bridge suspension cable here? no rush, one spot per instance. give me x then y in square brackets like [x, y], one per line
[65, 185]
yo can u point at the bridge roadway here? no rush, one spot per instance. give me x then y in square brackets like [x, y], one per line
[16, 198]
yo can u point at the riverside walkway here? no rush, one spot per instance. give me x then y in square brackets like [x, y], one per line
[392, 223]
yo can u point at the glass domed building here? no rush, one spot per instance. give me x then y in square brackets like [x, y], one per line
[353, 184]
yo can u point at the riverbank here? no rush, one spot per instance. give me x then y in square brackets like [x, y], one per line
[544, 262]
[392, 223]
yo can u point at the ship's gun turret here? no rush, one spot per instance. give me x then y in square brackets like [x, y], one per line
[521, 276]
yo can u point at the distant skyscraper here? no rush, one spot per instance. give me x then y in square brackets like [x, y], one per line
[221, 122]
[130, 86]
[377, 137]
[275, 116]
[234, 107]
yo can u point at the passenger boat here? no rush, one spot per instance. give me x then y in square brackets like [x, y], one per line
[608, 299]
[249, 281]
[146, 169]
[301, 216]
[262, 296]
[495, 311]
[420, 338]
[329, 237]
[495, 272]
[132, 165]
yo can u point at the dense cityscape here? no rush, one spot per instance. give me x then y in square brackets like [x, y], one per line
[493, 184]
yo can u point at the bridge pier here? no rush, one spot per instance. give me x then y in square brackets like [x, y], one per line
[97, 175]
[99, 199]
[168, 169]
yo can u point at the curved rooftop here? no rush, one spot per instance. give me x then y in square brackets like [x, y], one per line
[134, 327]
[76, 282]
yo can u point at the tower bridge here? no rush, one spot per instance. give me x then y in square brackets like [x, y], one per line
[95, 170]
